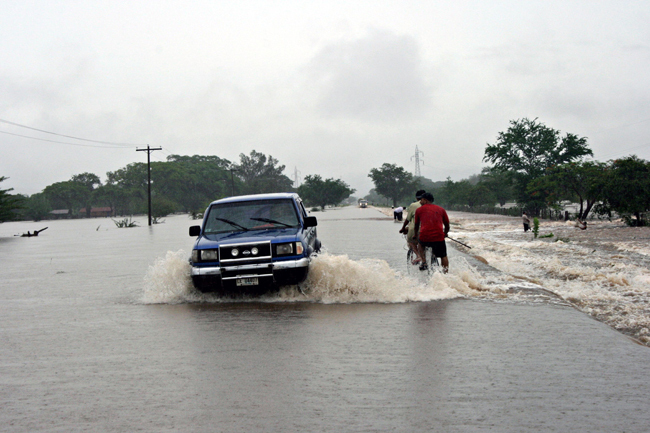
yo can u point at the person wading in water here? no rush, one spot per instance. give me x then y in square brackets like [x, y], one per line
[526, 221]
[432, 227]
[408, 228]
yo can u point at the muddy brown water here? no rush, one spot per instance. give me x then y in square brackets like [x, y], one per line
[83, 348]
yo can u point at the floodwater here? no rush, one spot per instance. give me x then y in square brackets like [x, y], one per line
[100, 330]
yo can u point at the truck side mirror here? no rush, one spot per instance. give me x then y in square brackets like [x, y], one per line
[310, 221]
[195, 231]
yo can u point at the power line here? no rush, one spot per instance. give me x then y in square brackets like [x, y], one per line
[69, 136]
[621, 126]
[620, 152]
[62, 142]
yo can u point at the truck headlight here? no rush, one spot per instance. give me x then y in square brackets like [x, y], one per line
[290, 248]
[209, 255]
[283, 249]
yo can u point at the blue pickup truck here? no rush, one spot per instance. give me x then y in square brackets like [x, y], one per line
[254, 243]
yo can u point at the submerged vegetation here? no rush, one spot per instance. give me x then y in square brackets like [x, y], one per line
[536, 227]
[125, 223]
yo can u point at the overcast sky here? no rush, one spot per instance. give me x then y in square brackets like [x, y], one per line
[327, 87]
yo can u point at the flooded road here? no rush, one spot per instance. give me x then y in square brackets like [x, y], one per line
[100, 331]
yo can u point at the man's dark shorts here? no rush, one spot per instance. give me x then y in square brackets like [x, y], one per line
[439, 248]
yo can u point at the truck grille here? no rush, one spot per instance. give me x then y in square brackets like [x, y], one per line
[254, 252]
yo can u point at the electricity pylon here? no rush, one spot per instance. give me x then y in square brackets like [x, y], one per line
[417, 161]
[296, 177]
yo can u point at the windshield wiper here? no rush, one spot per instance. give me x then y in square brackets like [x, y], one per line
[232, 223]
[268, 220]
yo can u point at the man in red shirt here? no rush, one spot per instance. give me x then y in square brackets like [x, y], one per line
[432, 226]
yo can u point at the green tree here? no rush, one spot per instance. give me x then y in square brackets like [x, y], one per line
[89, 182]
[471, 192]
[582, 182]
[8, 203]
[393, 182]
[262, 174]
[68, 195]
[454, 193]
[427, 185]
[115, 196]
[161, 207]
[498, 183]
[527, 149]
[37, 206]
[319, 192]
[133, 176]
[627, 189]
[128, 189]
[480, 195]
[194, 181]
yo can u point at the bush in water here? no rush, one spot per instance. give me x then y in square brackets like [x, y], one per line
[125, 223]
[535, 227]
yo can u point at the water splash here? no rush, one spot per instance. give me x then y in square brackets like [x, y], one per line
[168, 280]
[338, 279]
[332, 279]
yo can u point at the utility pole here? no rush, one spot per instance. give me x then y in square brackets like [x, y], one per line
[232, 180]
[417, 161]
[149, 150]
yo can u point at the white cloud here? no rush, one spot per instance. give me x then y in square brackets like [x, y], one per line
[377, 78]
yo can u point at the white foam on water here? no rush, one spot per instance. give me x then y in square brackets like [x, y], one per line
[338, 279]
[331, 279]
[584, 269]
[634, 248]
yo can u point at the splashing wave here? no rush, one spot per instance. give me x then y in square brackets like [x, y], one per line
[332, 279]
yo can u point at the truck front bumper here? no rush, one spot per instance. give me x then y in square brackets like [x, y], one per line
[280, 273]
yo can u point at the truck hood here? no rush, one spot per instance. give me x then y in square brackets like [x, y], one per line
[278, 235]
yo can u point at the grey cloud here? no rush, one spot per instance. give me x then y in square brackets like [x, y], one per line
[376, 78]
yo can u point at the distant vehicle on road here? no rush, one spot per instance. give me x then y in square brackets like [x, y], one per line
[252, 244]
[363, 203]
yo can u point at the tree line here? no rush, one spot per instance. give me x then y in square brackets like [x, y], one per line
[180, 184]
[533, 165]
[538, 168]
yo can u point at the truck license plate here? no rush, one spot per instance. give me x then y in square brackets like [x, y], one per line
[247, 282]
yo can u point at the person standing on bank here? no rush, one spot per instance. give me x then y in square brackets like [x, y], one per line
[526, 220]
[432, 226]
[408, 228]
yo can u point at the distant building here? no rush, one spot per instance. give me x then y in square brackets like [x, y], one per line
[97, 212]
[60, 213]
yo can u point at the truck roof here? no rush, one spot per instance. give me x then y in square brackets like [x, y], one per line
[253, 197]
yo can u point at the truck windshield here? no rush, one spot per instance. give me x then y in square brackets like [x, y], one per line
[251, 215]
